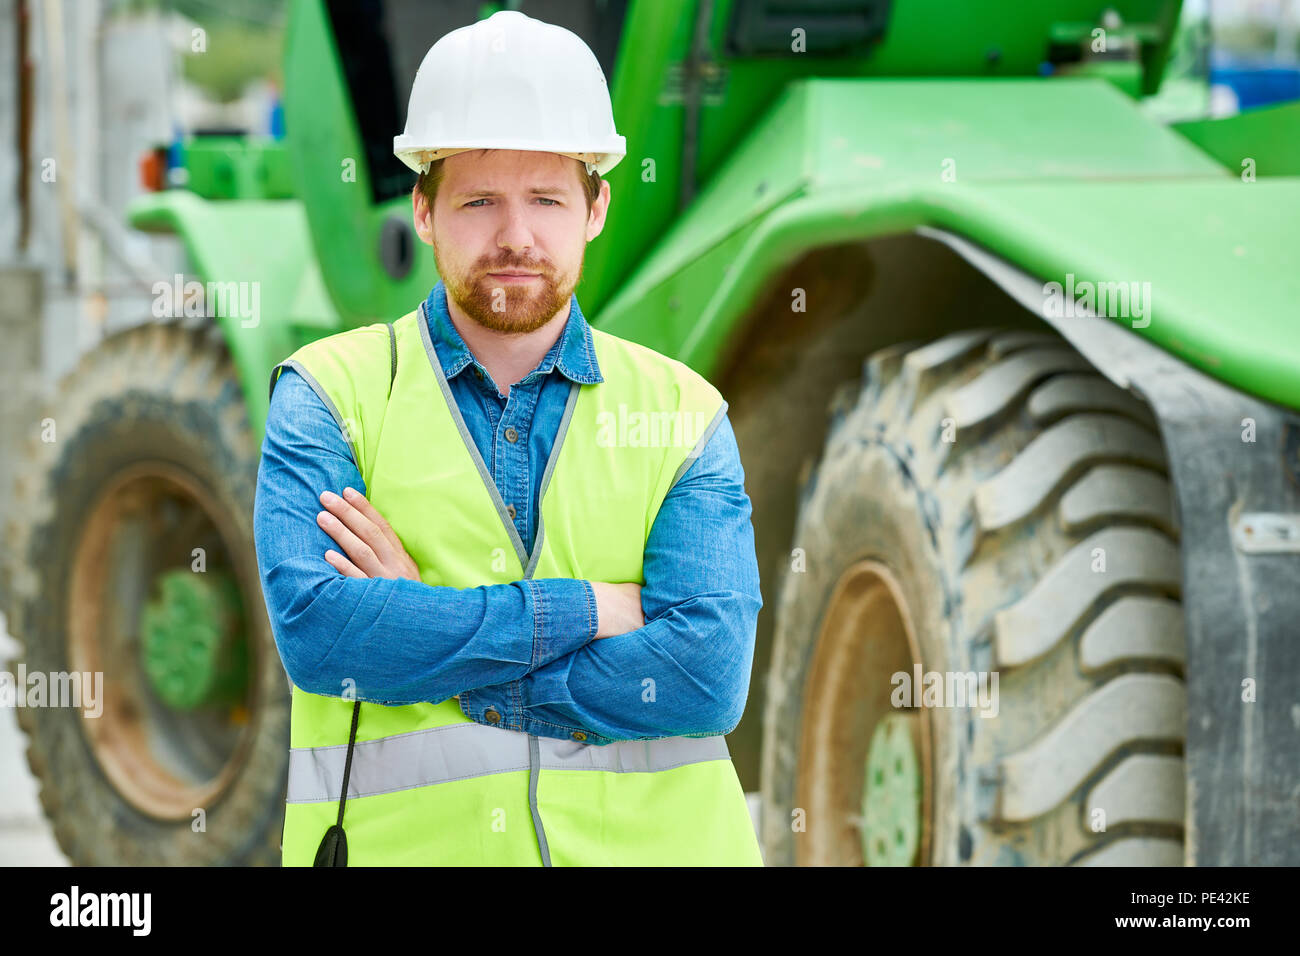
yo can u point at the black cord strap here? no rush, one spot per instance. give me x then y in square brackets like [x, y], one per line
[333, 849]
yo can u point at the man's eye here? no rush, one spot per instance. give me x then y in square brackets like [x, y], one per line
[474, 204]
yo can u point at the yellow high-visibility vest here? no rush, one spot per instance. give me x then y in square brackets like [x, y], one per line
[425, 784]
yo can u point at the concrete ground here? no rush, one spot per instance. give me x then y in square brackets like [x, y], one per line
[25, 838]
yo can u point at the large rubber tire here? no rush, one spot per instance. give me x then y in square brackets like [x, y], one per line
[158, 393]
[1022, 506]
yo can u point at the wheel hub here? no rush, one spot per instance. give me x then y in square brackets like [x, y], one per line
[863, 781]
[891, 794]
[176, 725]
[193, 654]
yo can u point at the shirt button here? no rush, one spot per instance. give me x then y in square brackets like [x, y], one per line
[491, 716]
[478, 372]
[579, 735]
[510, 510]
[511, 434]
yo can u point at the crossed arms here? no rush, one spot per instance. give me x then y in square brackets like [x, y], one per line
[527, 650]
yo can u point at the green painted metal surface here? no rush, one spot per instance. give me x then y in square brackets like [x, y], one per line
[1219, 258]
[235, 167]
[979, 39]
[193, 652]
[1268, 137]
[824, 136]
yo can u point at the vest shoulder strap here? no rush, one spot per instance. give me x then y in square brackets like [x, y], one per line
[352, 373]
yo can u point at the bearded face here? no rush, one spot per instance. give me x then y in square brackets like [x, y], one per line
[510, 229]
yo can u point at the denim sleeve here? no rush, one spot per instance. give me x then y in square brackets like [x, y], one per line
[686, 672]
[397, 641]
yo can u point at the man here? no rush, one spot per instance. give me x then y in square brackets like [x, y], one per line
[453, 526]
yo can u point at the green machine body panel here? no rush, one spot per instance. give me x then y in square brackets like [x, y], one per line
[236, 167]
[1259, 142]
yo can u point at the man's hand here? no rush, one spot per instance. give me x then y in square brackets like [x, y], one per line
[372, 547]
[618, 608]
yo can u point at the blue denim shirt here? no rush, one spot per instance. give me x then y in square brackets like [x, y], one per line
[525, 650]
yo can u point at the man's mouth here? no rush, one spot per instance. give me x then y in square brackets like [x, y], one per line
[513, 276]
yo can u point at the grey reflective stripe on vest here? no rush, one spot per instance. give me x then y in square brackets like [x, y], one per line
[459, 751]
[534, 765]
[699, 445]
[327, 401]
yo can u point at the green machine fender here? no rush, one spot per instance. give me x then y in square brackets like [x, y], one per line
[1002, 164]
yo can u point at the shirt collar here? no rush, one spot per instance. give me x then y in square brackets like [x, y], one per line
[573, 353]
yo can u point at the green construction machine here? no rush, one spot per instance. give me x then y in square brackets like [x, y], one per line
[1014, 369]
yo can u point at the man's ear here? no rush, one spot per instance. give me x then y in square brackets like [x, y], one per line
[599, 209]
[422, 216]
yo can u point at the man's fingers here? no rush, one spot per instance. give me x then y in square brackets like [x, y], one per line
[360, 553]
[363, 505]
[343, 565]
[368, 539]
[359, 524]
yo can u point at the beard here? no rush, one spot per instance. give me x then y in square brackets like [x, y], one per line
[509, 307]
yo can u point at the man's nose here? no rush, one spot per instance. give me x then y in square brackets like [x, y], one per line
[515, 234]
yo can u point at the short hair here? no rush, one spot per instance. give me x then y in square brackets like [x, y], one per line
[428, 183]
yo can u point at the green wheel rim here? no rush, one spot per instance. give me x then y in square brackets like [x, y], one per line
[891, 796]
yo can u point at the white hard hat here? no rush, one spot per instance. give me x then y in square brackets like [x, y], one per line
[510, 82]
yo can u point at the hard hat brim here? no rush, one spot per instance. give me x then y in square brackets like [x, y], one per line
[418, 157]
